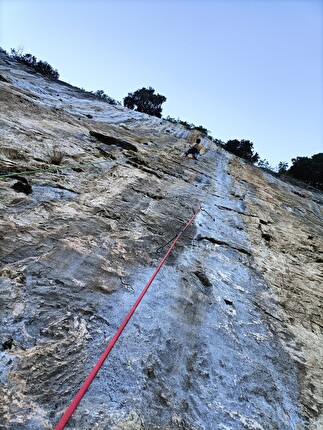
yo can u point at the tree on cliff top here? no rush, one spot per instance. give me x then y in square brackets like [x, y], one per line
[145, 100]
[242, 148]
[309, 170]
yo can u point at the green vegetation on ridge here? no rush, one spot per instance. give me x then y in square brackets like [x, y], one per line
[145, 100]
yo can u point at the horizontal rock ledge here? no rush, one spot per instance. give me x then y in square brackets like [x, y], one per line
[110, 140]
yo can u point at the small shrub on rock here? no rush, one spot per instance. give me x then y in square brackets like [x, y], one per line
[40, 66]
[202, 130]
[56, 156]
[100, 94]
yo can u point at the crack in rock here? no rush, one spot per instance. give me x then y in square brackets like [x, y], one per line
[110, 140]
[222, 243]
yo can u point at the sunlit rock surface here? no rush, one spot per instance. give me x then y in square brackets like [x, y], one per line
[229, 335]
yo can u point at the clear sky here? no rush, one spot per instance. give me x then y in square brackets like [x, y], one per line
[244, 69]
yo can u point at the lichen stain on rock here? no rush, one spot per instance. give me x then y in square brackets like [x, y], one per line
[229, 335]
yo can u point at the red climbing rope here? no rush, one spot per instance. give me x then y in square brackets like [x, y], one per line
[67, 415]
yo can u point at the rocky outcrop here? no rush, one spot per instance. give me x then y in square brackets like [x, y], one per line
[229, 336]
[110, 140]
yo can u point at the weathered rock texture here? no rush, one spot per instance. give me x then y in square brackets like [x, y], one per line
[229, 336]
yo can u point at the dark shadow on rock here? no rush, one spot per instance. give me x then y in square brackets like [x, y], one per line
[203, 278]
[110, 140]
[7, 344]
[3, 79]
[22, 186]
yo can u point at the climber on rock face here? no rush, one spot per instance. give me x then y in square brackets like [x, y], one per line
[195, 149]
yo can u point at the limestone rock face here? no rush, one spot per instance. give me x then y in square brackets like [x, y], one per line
[229, 335]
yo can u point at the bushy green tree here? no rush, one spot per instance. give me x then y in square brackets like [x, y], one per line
[46, 69]
[309, 170]
[282, 167]
[242, 148]
[145, 100]
[264, 164]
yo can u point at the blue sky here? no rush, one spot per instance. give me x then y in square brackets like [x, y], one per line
[244, 69]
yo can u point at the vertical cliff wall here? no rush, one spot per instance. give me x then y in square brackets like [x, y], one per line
[229, 335]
